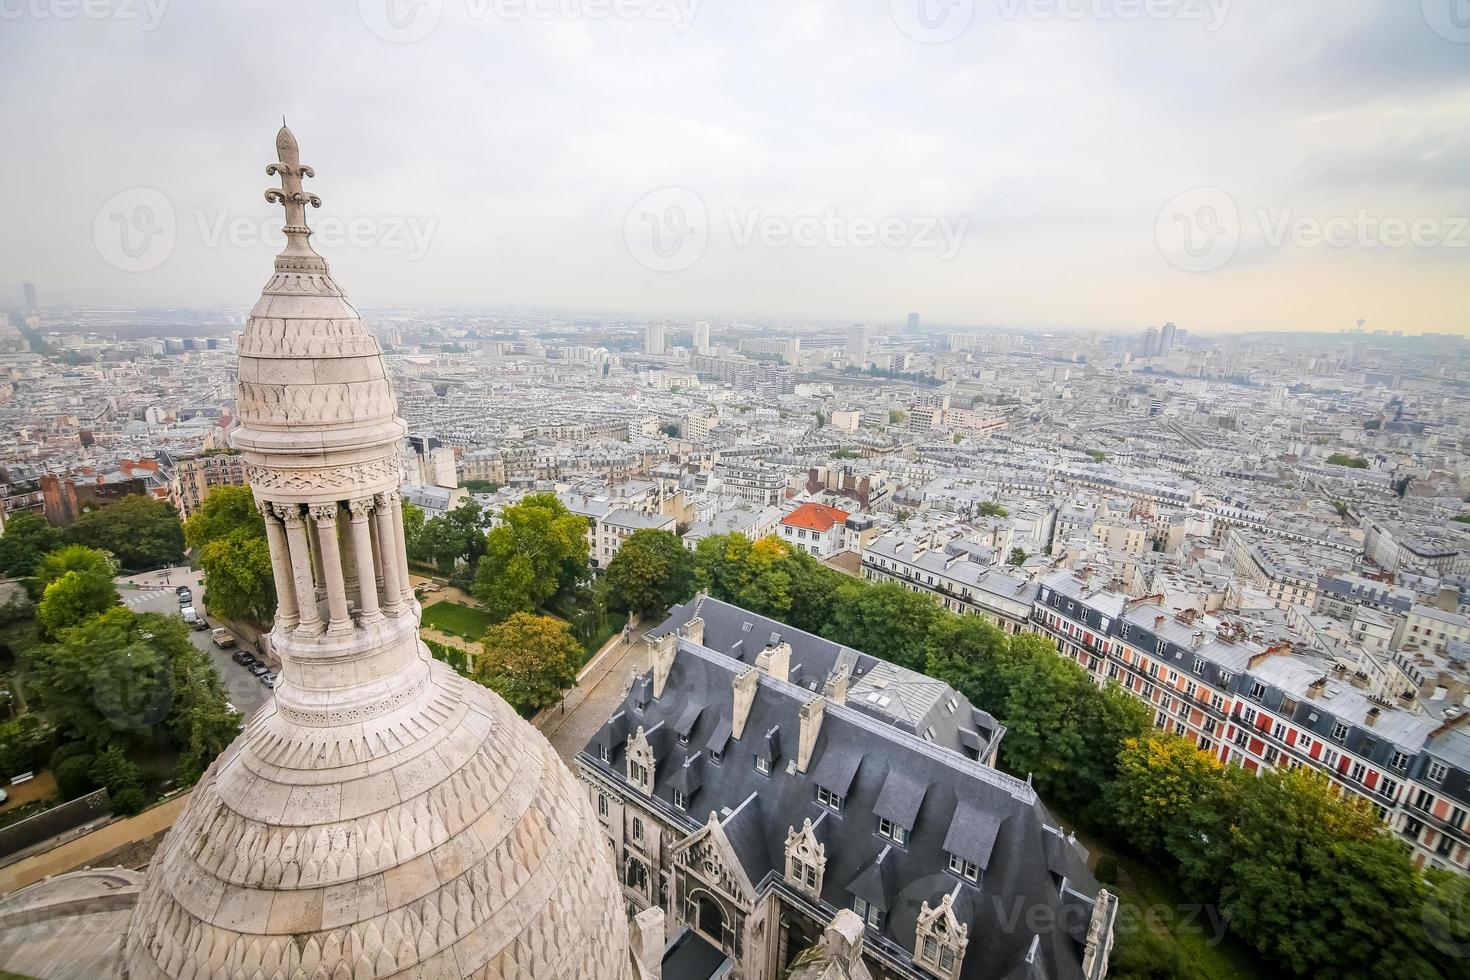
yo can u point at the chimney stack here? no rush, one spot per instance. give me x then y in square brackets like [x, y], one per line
[812, 714]
[693, 631]
[776, 660]
[646, 941]
[843, 938]
[836, 687]
[744, 688]
[663, 661]
[1315, 689]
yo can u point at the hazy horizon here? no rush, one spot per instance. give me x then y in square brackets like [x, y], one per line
[1229, 166]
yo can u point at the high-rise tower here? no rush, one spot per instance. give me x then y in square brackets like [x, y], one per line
[382, 816]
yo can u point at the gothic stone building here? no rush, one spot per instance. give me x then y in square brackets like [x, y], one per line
[753, 809]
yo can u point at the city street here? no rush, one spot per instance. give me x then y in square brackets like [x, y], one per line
[243, 690]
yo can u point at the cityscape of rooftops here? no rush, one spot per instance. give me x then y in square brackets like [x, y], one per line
[666, 490]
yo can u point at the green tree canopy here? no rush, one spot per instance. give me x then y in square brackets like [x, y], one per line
[1017, 557]
[142, 532]
[227, 534]
[651, 572]
[529, 660]
[73, 558]
[885, 620]
[26, 538]
[451, 538]
[538, 549]
[73, 599]
[992, 508]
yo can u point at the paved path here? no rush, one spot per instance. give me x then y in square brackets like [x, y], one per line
[83, 851]
[599, 690]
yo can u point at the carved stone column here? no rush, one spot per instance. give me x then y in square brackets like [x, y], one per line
[318, 571]
[349, 562]
[368, 612]
[287, 612]
[298, 545]
[401, 550]
[325, 516]
[393, 603]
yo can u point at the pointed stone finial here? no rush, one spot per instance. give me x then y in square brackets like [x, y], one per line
[290, 169]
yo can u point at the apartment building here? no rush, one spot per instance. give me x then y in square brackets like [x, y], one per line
[817, 529]
[958, 576]
[1222, 685]
[194, 477]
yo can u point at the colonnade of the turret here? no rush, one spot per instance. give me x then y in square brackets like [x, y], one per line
[338, 565]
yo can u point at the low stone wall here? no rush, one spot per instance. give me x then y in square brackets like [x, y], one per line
[57, 820]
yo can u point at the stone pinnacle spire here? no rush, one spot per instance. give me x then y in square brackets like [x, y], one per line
[290, 169]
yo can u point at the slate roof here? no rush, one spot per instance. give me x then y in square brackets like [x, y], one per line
[988, 817]
[895, 695]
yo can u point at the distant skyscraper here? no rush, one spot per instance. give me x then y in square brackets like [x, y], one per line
[913, 323]
[701, 337]
[857, 345]
[29, 288]
[653, 338]
[1150, 342]
[1166, 338]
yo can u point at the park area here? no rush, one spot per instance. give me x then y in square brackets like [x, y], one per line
[458, 619]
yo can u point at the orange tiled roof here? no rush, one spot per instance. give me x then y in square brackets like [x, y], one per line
[815, 517]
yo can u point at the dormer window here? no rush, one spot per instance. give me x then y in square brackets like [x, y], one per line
[637, 773]
[889, 830]
[968, 870]
[868, 912]
[604, 752]
[763, 765]
[829, 799]
[681, 800]
[715, 756]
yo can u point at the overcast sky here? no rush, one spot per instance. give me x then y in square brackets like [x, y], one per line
[1256, 164]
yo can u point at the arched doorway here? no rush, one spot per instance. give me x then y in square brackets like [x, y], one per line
[709, 917]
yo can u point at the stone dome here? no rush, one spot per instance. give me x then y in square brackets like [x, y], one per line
[381, 816]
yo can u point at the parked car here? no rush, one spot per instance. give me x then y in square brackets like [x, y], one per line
[192, 617]
[259, 669]
[222, 637]
[243, 657]
[4, 796]
[186, 595]
[270, 680]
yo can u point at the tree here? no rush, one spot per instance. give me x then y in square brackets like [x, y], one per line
[1160, 778]
[529, 660]
[73, 558]
[538, 549]
[142, 532]
[885, 620]
[670, 429]
[227, 509]
[413, 526]
[24, 745]
[26, 538]
[227, 534]
[1017, 557]
[971, 656]
[991, 508]
[122, 778]
[651, 572]
[451, 538]
[73, 599]
[1351, 462]
[747, 573]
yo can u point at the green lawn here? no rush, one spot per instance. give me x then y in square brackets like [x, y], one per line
[457, 619]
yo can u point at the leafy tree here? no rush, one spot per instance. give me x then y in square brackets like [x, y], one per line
[238, 577]
[670, 429]
[142, 532]
[651, 572]
[748, 573]
[74, 776]
[73, 599]
[227, 509]
[27, 537]
[1351, 462]
[123, 779]
[1315, 883]
[227, 534]
[480, 486]
[991, 508]
[1017, 558]
[885, 620]
[1160, 779]
[538, 549]
[24, 744]
[413, 526]
[971, 656]
[73, 558]
[454, 537]
[529, 660]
